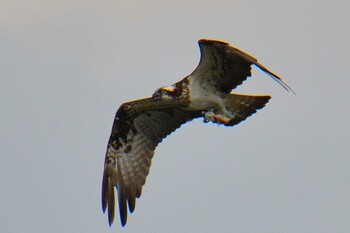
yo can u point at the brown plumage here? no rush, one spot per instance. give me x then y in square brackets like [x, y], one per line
[139, 126]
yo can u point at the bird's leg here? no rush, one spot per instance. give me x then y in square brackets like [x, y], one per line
[214, 117]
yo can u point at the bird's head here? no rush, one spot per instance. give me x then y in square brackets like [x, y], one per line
[164, 93]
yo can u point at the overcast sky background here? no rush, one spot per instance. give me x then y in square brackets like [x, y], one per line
[66, 66]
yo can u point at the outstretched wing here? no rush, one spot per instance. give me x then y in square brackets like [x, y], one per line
[225, 66]
[243, 106]
[138, 128]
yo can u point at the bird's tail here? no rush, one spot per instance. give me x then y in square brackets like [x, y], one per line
[243, 106]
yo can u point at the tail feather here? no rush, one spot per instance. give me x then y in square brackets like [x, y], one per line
[243, 106]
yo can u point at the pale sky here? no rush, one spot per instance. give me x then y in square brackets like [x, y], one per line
[66, 66]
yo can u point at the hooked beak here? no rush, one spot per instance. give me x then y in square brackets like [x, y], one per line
[156, 96]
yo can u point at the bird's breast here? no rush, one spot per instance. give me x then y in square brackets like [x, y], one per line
[204, 98]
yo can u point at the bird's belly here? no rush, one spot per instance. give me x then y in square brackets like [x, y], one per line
[204, 100]
[204, 96]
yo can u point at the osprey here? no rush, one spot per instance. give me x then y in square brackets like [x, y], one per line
[140, 125]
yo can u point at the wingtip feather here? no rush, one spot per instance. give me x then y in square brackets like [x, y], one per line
[110, 201]
[275, 77]
[122, 207]
[107, 197]
[103, 195]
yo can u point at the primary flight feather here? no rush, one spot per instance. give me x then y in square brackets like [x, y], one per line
[140, 125]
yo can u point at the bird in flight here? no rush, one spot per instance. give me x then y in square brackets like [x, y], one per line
[140, 125]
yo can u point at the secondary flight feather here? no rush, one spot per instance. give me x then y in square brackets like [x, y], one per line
[140, 125]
